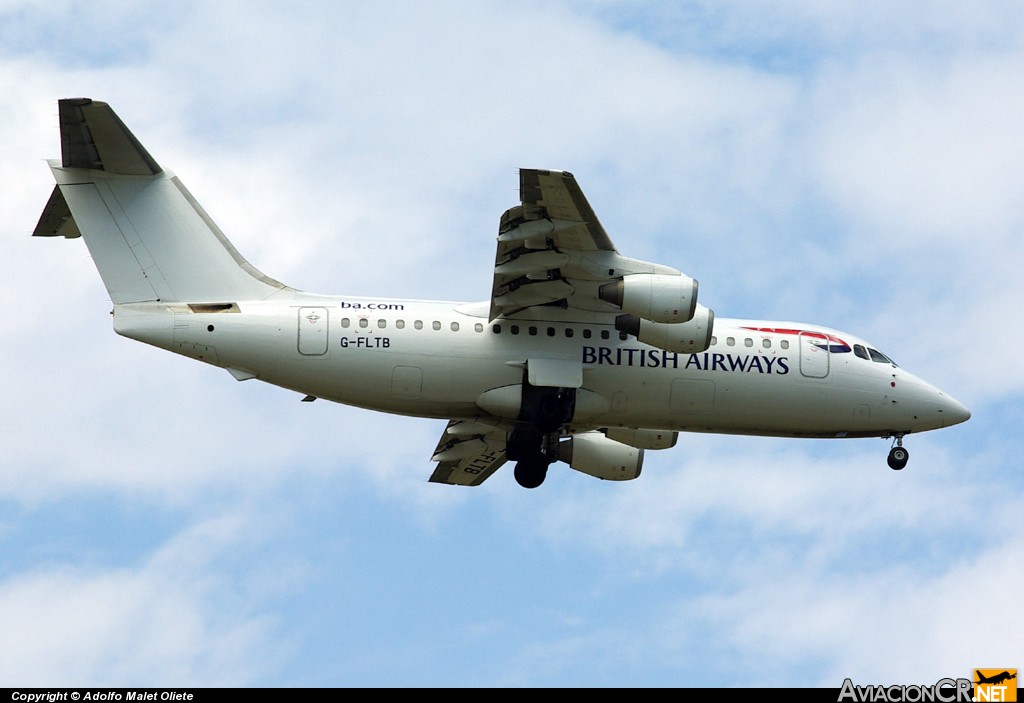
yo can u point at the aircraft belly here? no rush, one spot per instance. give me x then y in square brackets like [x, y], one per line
[415, 384]
[718, 401]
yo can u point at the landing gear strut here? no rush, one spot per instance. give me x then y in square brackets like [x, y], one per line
[548, 408]
[898, 456]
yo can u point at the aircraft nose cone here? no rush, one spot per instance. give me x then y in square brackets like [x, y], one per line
[954, 413]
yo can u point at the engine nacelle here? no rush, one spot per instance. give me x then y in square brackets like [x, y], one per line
[686, 338]
[653, 296]
[643, 439]
[594, 454]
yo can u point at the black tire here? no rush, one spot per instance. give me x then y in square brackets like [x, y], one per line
[898, 458]
[531, 471]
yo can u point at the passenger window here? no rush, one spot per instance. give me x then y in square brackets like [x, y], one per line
[551, 331]
[345, 322]
[587, 333]
[364, 323]
[400, 324]
[514, 329]
[784, 344]
[455, 327]
[623, 336]
[419, 325]
[436, 325]
[496, 329]
[604, 334]
[714, 341]
[478, 327]
[568, 331]
[731, 341]
[533, 331]
[766, 343]
[748, 342]
[860, 351]
[382, 324]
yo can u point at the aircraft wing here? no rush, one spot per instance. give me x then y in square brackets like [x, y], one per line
[553, 251]
[468, 453]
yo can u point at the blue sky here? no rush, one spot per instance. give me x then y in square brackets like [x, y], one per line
[858, 165]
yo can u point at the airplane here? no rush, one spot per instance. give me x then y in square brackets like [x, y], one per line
[581, 355]
[995, 679]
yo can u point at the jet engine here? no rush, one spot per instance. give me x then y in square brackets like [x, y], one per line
[594, 454]
[686, 337]
[653, 296]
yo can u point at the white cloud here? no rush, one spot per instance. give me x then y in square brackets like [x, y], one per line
[168, 621]
[928, 152]
[892, 626]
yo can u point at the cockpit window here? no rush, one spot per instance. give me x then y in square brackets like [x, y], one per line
[880, 357]
[860, 351]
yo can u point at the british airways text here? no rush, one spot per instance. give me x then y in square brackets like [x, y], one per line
[706, 361]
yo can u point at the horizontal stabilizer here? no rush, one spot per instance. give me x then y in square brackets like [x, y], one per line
[92, 136]
[56, 220]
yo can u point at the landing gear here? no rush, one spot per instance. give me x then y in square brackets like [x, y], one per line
[531, 470]
[533, 451]
[533, 445]
[898, 456]
[524, 442]
[549, 408]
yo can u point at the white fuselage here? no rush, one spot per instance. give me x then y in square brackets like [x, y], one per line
[436, 359]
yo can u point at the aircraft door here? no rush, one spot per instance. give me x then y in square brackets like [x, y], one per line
[814, 355]
[312, 331]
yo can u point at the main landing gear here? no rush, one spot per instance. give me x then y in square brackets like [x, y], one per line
[533, 445]
[526, 446]
[898, 456]
[531, 470]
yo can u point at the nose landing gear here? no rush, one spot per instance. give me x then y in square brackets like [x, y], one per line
[898, 456]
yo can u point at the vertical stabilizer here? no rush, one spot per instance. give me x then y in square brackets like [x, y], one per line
[149, 238]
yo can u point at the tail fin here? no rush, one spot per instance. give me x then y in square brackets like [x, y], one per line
[149, 238]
